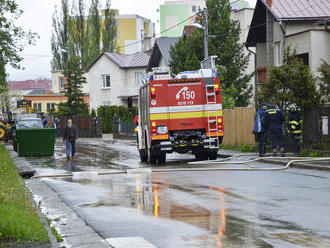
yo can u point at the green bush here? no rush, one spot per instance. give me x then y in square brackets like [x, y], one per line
[313, 154]
[109, 113]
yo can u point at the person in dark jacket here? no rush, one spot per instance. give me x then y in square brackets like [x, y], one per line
[294, 127]
[274, 120]
[44, 121]
[57, 125]
[259, 130]
[70, 136]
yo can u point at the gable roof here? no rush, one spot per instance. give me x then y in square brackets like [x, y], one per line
[161, 49]
[284, 10]
[298, 9]
[29, 84]
[125, 61]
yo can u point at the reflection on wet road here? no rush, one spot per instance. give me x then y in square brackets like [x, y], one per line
[192, 209]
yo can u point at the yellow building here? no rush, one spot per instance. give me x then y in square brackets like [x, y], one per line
[134, 33]
[45, 100]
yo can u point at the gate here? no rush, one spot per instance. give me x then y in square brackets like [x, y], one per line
[316, 125]
[88, 127]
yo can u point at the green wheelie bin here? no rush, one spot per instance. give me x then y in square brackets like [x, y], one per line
[34, 140]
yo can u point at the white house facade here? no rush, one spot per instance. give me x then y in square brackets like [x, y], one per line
[114, 79]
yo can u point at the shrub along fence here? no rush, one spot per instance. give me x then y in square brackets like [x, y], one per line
[117, 119]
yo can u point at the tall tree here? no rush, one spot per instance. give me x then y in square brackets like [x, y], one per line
[60, 37]
[75, 79]
[225, 44]
[291, 84]
[77, 32]
[12, 38]
[94, 23]
[109, 29]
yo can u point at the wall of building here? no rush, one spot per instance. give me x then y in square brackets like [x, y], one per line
[170, 15]
[320, 49]
[131, 30]
[301, 42]
[244, 17]
[44, 99]
[56, 75]
[99, 96]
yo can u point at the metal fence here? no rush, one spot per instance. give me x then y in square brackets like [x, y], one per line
[86, 126]
[316, 125]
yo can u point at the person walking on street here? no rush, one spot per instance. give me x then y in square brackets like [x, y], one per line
[259, 130]
[57, 125]
[44, 120]
[295, 129]
[274, 120]
[70, 136]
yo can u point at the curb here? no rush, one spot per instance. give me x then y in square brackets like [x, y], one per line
[50, 207]
[298, 165]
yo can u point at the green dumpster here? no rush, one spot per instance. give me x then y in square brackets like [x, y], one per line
[35, 141]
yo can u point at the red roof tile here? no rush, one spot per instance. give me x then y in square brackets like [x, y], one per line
[30, 85]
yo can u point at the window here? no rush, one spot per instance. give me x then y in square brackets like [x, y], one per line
[106, 81]
[37, 106]
[304, 57]
[50, 106]
[325, 125]
[62, 83]
[278, 54]
[193, 8]
[138, 78]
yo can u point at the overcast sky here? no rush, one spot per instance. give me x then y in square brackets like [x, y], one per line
[37, 17]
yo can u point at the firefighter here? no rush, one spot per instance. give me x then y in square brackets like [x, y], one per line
[274, 120]
[259, 129]
[294, 127]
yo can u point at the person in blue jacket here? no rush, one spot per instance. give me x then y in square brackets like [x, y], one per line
[274, 120]
[259, 130]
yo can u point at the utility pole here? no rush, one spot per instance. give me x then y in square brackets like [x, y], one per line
[205, 34]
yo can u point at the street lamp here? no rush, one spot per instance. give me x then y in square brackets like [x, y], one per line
[205, 32]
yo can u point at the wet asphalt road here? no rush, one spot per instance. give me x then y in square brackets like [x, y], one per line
[191, 209]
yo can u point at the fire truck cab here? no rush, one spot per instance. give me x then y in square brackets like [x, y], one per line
[180, 113]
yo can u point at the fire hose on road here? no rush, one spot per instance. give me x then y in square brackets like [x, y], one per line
[221, 161]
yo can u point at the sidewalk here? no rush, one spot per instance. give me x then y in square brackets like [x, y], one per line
[317, 165]
[73, 231]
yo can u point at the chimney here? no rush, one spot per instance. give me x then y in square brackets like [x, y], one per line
[269, 3]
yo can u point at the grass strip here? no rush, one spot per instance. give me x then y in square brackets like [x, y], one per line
[18, 218]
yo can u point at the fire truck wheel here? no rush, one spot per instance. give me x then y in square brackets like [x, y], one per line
[162, 158]
[153, 159]
[2, 131]
[202, 155]
[143, 155]
[213, 155]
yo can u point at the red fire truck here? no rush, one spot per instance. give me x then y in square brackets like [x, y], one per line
[180, 113]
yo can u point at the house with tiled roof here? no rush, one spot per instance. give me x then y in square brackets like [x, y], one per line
[18, 89]
[160, 53]
[114, 79]
[302, 24]
[26, 86]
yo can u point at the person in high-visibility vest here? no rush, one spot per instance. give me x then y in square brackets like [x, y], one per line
[274, 120]
[294, 127]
